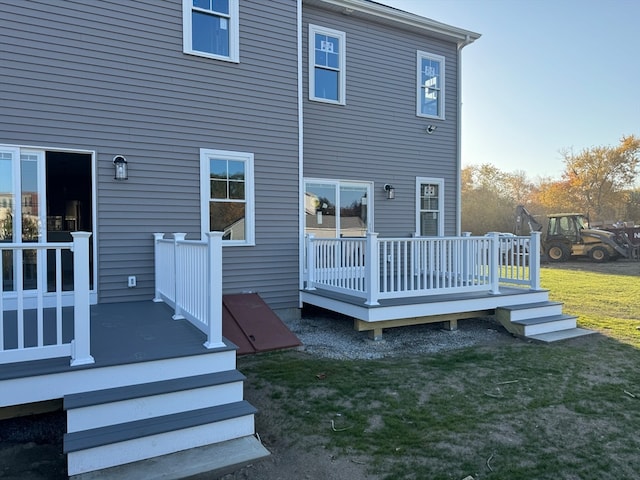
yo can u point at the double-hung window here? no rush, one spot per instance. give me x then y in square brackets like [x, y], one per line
[430, 207]
[430, 88]
[210, 28]
[227, 195]
[326, 65]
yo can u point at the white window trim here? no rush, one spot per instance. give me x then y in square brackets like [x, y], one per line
[234, 34]
[440, 183]
[342, 75]
[420, 55]
[205, 192]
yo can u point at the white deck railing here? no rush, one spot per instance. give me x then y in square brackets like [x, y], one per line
[188, 277]
[31, 319]
[374, 269]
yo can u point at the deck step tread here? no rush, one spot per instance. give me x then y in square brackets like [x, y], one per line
[542, 320]
[561, 335]
[212, 460]
[526, 306]
[99, 397]
[111, 434]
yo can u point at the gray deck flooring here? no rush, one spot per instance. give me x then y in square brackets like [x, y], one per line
[395, 302]
[123, 333]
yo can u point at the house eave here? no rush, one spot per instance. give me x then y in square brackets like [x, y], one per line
[371, 10]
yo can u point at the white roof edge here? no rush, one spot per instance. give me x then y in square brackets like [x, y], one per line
[460, 35]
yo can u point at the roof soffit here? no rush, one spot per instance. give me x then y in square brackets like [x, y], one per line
[374, 11]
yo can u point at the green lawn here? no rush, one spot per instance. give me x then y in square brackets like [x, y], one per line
[523, 411]
[604, 302]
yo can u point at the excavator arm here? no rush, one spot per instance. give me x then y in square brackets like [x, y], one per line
[524, 217]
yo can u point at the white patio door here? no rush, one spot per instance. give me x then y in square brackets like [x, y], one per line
[44, 196]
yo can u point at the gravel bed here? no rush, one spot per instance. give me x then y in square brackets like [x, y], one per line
[332, 336]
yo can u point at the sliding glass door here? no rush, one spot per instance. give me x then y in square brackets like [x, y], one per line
[44, 196]
[337, 209]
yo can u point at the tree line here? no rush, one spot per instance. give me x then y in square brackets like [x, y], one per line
[601, 182]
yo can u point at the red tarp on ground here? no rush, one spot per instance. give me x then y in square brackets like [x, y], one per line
[249, 323]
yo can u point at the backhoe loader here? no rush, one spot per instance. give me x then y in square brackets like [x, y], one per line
[568, 235]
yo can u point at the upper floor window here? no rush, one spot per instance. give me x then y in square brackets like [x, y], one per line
[210, 28]
[430, 85]
[227, 195]
[326, 65]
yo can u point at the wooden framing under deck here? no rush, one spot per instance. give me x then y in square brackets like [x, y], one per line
[449, 320]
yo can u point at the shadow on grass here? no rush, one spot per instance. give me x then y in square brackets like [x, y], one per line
[560, 411]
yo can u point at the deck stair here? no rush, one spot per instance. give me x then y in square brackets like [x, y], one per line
[127, 425]
[540, 321]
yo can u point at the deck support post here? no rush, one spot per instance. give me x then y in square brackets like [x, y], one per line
[81, 345]
[534, 260]
[451, 325]
[372, 270]
[375, 334]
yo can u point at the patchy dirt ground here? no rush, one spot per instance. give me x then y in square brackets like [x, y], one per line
[620, 267]
[31, 447]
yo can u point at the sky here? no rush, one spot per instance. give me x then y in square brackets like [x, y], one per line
[546, 76]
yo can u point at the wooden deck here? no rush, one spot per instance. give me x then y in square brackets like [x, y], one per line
[395, 308]
[153, 391]
[123, 333]
[397, 312]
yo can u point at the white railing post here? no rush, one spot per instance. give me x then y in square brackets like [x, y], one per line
[158, 265]
[214, 283]
[81, 345]
[534, 260]
[179, 276]
[494, 263]
[311, 263]
[466, 258]
[372, 269]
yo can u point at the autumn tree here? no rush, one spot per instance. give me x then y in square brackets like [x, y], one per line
[556, 196]
[490, 197]
[599, 178]
[632, 210]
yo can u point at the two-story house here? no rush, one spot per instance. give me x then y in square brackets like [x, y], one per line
[318, 139]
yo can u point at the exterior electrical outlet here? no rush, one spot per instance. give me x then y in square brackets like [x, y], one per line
[131, 282]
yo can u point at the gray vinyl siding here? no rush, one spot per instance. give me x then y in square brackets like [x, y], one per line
[377, 136]
[111, 77]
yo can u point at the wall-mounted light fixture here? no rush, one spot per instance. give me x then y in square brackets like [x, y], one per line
[430, 129]
[391, 191]
[120, 164]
